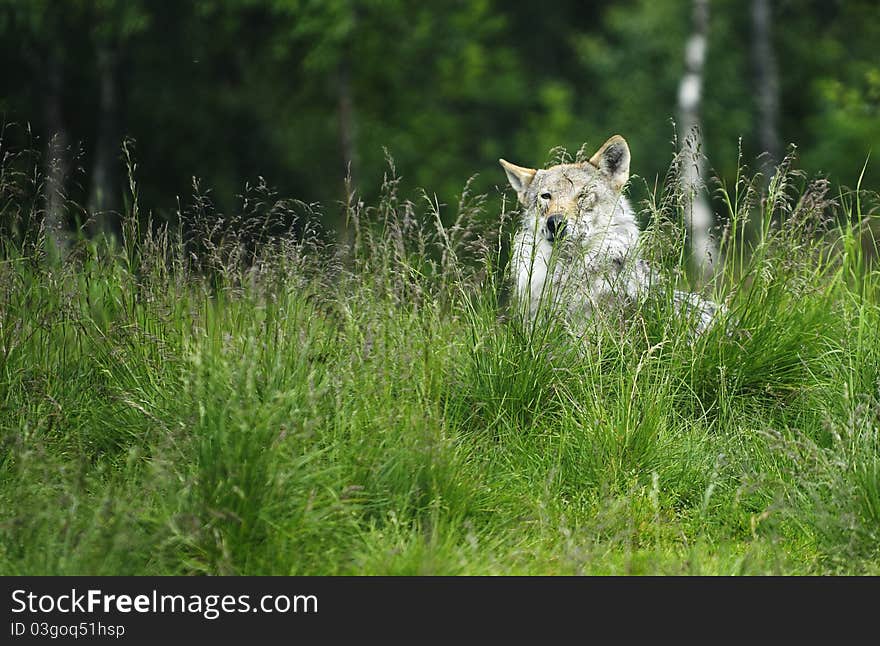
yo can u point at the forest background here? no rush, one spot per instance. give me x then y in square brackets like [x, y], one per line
[305, 93]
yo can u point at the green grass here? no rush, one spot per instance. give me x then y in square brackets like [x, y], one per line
[281, 408]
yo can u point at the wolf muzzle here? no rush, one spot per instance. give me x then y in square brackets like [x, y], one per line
[555, 226]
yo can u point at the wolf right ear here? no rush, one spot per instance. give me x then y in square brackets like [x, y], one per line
[613, 159]
[519, 177]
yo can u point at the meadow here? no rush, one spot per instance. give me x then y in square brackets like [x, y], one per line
[239, 394]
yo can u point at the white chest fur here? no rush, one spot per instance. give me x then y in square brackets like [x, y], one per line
[580, 276]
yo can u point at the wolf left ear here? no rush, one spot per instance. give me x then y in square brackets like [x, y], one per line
[613, 159]
[519, 177]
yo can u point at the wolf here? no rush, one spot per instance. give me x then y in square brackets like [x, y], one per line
[576, 251]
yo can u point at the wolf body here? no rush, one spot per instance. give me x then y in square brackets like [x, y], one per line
[576, 249]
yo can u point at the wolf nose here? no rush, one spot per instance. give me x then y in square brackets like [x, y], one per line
[555, 226]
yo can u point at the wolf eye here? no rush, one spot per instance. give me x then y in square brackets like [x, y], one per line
[545, 196]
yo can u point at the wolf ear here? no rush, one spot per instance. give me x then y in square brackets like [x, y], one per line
[519, 177]
[613, 159]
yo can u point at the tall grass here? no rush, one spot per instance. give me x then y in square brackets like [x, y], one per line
[233, 395]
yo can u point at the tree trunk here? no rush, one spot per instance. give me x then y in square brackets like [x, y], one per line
[103, 196]
[766, 85]
[698, 214]
[347, 143]
[346, 121]
[57, 158]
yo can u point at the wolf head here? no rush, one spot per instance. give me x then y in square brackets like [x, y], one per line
[575, 201]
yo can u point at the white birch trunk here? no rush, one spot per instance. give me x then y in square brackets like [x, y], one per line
[698, 214]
